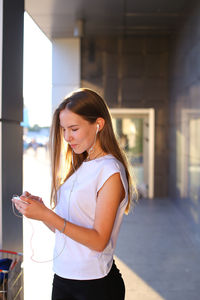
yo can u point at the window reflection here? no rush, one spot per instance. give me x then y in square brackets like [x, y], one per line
[194, 159]
[130, 136]
[188, 156]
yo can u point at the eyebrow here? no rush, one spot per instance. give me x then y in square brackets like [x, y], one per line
[70, 126]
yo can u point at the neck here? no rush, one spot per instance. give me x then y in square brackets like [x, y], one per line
[95, 154]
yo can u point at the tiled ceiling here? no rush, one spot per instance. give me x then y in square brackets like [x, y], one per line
[58, 18]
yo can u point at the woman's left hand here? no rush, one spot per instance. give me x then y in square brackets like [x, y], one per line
[31, 208]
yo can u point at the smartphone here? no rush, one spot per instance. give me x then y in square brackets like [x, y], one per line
[18, 198]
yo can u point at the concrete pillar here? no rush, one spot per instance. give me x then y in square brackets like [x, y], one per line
[11, 114]
[65, 68]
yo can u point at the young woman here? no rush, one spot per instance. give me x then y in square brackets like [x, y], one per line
[91, 190]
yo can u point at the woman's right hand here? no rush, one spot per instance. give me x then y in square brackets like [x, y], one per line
[39, 199]
[28, 195]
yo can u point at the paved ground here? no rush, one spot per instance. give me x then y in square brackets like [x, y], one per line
[159, 256]
[156, 252]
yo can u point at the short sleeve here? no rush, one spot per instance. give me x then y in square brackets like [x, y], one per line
[107, 171]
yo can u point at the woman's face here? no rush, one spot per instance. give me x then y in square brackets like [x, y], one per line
[78, 132]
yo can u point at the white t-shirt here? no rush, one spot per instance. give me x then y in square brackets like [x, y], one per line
[72, 259]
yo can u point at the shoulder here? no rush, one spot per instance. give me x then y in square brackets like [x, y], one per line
[111, 164]
[109, 161]
[108, 167]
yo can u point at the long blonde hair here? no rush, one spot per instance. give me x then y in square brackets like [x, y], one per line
[90, 106]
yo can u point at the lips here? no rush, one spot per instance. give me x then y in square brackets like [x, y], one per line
[73, 146]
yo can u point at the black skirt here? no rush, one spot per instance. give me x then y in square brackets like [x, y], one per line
[110, 287]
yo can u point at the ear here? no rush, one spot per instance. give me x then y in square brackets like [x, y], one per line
[101, 123]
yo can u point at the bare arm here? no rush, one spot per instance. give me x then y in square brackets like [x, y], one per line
[52, 228]
[109, 198]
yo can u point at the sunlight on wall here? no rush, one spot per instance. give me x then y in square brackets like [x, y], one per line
[37, 275]
[37, 83]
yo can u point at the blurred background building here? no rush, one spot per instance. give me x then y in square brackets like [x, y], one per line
[143, 57]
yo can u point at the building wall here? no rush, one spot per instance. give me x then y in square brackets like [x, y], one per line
[65, 68]
[132, 72]
[184, 184]
[11, 114]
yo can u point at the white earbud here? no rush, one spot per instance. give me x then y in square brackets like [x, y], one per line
[97, 128]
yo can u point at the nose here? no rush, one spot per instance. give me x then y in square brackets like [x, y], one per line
[67, 136]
